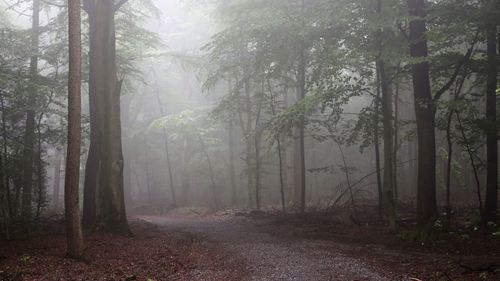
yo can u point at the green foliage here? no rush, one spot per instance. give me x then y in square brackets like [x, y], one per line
[24, 259]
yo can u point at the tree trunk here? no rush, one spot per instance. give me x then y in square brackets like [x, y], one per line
[167, 154]
[29, 135]
[474, 167]
[281, 160]
[299, 157]
[104, 94]
[210, 172]
[376, 141]
[388, 205]
[396, 144]
[449, 144]
[4, 191]
[257, 139]
[5, 176]
[148, 177]
[186, 186]
[346, 172]
[57, 181]
[71, 186]
[425, 116]
[491, 201]
[92, 174]
[248, 140]
[232, 173]
[40, 170]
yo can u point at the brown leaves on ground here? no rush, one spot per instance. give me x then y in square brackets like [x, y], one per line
[151, 254]
[464, 253]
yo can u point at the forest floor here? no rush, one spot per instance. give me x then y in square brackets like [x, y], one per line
[150, 254]
[236, 245]
[319, 246]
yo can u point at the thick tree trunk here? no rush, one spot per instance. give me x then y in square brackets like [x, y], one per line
[491, 201]
[92, 173]
[93, 165]
[106, 89]
[29, 134]
[425, 115]
[71, 186]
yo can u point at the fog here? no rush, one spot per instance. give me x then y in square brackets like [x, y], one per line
[249, 140]
[176, 100]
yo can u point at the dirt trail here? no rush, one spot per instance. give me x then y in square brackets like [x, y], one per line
[268, 257]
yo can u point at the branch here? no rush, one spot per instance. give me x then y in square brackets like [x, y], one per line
[464, 61]
[119, 5]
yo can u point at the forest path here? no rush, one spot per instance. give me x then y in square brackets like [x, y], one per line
[268, 257]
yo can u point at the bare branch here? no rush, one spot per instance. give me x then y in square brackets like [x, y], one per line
[119, 5]
[464, 61]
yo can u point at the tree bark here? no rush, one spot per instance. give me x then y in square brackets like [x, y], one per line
[71, 186]
[388, 182]
[396, 144]
[57, 181]
[491, 200]
[29, 135]
[257, 141]
[4, 191]
[232, 143]
[248, 141]
[299, 157]
[232, 173]
[425, 115]
[5, 177]
[376, 142]
[105, 89]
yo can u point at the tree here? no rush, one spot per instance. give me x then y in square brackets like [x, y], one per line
[29, 135]
[104, 202]
[491, 203]
[425, 115]
[71, 185]
[383, 72]
[57, 181]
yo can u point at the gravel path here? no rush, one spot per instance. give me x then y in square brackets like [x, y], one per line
[268, 257]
